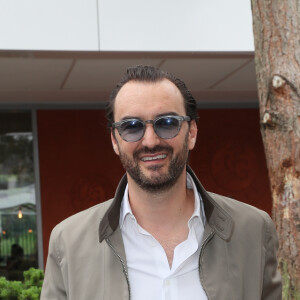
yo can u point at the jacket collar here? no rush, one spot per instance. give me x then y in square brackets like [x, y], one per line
[217, 217]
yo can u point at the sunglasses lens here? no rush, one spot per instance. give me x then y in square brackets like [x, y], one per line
[167, 127]
[131, 130]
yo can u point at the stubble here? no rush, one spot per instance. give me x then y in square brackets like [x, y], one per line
[157, 182]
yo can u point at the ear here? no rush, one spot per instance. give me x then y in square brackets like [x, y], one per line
[192, 134]
[114, 143]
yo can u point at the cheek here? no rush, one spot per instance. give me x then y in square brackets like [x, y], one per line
[127, 148]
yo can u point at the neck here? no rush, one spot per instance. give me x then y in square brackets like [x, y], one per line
[165, 210]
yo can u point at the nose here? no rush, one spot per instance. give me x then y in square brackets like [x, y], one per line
[150, 138]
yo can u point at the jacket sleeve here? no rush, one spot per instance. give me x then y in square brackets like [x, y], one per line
[53, 285]
[272, 286]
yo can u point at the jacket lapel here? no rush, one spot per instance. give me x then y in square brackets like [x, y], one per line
[115, 261]
[219, 227]
[218, 218]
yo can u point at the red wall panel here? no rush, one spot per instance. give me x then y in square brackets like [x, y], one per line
[78, 167]
[229, 156]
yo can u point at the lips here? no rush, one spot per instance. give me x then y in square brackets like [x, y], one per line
[156, 153]
[152, 158]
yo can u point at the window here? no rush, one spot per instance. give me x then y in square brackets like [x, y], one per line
[18, 225]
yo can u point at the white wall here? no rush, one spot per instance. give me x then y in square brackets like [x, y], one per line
[48, 25]
[131, 25]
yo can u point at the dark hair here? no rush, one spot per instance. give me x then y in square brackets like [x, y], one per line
[151, 74]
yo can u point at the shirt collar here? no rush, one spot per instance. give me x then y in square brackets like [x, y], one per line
[125, 207]
[198, 208]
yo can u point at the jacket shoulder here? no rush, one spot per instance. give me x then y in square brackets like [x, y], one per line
[249, 223]
[239, 210]
[84, 219]
[244, 218]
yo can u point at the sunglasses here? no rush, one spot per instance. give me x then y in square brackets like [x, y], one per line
[166, 127]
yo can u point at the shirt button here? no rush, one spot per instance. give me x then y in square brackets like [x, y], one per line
[153, 243]
[167, 282]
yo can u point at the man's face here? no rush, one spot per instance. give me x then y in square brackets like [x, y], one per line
[155, 164]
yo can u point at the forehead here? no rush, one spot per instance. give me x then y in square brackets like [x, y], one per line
[148, 99]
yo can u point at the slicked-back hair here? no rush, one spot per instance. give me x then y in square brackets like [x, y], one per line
[151, 74]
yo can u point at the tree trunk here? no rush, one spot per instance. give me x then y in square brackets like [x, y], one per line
[276, 26]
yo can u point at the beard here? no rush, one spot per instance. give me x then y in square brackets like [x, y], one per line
[157, 182]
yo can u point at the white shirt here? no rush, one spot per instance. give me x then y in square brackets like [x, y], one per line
[150, 276]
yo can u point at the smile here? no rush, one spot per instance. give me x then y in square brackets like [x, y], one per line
[150, 158]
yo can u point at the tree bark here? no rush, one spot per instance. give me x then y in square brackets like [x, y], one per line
[276, 27]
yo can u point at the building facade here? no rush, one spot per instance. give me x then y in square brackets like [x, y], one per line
[59, 60]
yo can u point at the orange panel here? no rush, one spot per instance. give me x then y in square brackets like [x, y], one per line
[78, 167]
[229, 156]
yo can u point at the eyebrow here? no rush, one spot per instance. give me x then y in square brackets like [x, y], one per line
[130, 117]
[170, 113]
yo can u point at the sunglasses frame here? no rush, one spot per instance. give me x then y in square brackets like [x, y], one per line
[180, 119]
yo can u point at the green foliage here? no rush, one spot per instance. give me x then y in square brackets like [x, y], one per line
[30, 289]
[33, 278]
[10, 289]
[32, 293]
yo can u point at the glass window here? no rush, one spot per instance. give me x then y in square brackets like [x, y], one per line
[18, 230]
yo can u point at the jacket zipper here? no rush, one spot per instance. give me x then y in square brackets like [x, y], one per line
[122, 263]
[126, 273]
[200, 255]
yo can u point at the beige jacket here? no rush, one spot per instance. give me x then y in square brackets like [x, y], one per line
[87, 261]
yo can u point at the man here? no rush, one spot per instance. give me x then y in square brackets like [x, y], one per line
[162, 236]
